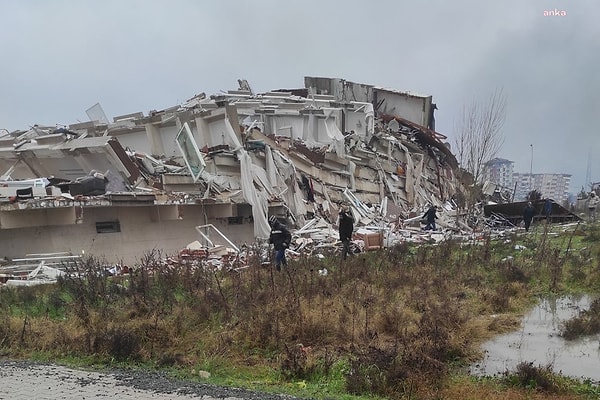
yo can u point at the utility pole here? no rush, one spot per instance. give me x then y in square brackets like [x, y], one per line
[531, 171]
[588, 172]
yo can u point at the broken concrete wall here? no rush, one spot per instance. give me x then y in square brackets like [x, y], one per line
[277, 153]
[410, 106]
[69, 159]
[118, 233]
[340, 89]
[135, 139]
[40, 217]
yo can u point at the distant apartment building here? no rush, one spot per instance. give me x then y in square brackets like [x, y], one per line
[554, 186]
[523, 184]
[500, 172]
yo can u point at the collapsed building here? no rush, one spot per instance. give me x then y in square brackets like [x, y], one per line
[222, 163]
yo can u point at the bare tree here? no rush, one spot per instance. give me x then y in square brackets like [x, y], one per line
[478, 133]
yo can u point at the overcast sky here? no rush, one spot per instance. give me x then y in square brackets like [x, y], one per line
[60, 57]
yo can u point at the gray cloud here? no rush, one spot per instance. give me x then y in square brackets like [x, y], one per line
[61, 57]
[548, 73]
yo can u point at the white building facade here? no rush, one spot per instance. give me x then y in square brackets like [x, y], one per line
[554, 186]
[500, 172]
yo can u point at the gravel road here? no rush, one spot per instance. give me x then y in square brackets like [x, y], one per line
[32, 380]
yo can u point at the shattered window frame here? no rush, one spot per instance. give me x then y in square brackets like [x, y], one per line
[190, 151]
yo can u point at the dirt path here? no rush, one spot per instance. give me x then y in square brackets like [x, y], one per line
[30, 380]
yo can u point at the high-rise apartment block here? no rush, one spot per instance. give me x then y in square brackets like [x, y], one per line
[500, 172]
[554, 186]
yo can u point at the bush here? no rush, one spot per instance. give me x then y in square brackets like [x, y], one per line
[529, 376]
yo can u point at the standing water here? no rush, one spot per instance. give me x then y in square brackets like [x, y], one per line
[539, 342]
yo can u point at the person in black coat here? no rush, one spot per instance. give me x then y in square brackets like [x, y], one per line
[528, 214]
[548, 210]
[346, 227]
[281, 238]
[430, 216]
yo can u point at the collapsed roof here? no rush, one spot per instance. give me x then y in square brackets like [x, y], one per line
[512, 213]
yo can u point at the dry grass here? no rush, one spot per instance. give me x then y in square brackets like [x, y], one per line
[403, 318]
[465, 389]
[586, 323]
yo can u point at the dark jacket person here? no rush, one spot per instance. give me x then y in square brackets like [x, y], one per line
[548, 209]
[346, 227]
[430, 216]
[528, 214]
[280, 237]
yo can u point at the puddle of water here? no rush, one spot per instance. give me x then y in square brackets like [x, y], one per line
[538, 341]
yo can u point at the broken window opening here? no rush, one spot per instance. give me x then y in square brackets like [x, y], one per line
[235, 220]
[108, 227]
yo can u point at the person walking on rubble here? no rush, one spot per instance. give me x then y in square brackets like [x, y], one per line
[430, 216]
[592, 204]
[346, 227]
[528, 214]
[280, 237]
[548, 210]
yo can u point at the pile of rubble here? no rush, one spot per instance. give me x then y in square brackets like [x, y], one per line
[229, 161]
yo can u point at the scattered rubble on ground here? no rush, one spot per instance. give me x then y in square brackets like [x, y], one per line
[224, 163]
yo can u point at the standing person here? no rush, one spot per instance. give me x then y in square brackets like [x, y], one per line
[346, 226]
[430, 217]
[528, 214]
[548, 209]
[592, 204]
[280, 238]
